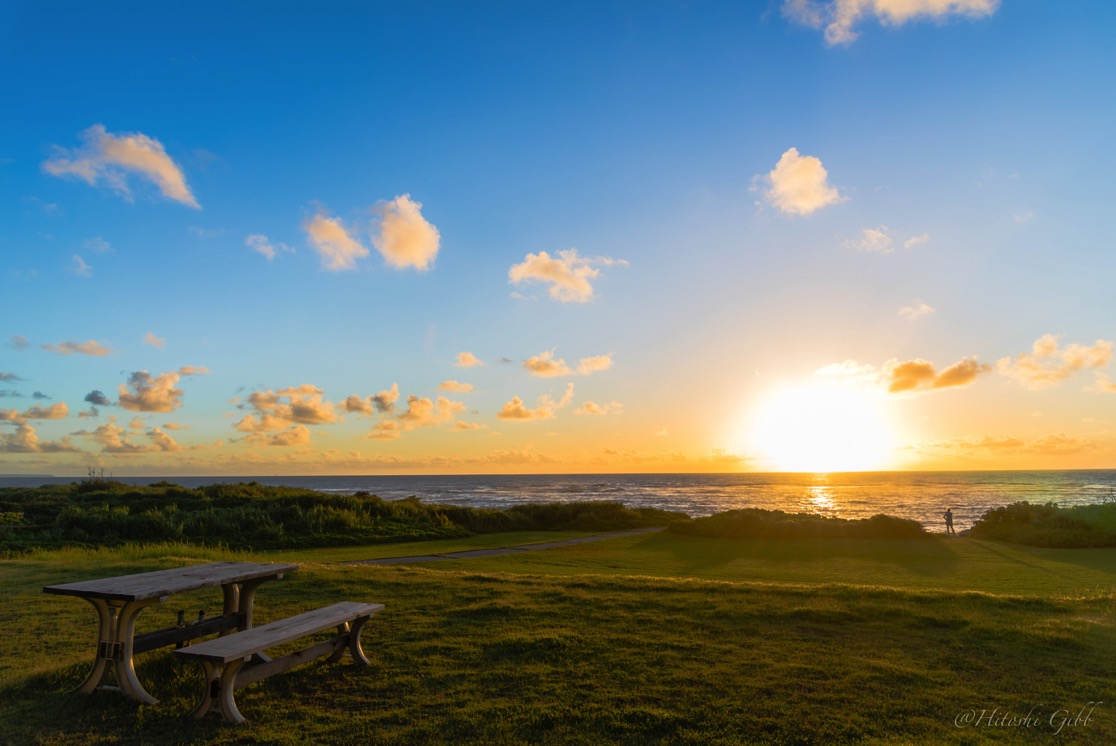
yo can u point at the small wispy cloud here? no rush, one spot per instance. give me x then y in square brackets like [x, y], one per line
[916, 310]
[73, 347]
[151, 339]
[261, 244]
[467, 360]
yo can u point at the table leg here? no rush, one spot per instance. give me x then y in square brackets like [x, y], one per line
[247, 597]
[115, 632]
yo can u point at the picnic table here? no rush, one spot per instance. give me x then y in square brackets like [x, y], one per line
[120, 599]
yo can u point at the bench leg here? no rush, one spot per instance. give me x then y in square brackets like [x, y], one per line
[354, 642]
[220, 686]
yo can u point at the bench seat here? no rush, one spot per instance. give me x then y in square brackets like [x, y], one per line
[224, 659]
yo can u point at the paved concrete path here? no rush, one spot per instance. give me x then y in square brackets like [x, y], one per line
[470, 553]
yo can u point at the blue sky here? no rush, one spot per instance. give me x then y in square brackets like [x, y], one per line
[678, 236]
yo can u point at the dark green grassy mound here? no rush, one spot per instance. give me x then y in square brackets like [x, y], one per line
[1050, 526]
[755, 523]
[101, 512]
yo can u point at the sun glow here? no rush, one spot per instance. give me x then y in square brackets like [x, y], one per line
[821, 427]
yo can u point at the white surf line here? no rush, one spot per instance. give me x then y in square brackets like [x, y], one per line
[470, 553]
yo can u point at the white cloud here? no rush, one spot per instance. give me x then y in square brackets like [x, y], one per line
[913, 241]
[79, 267]
[97, 245]
[333, 242]
[800, 184]
[108, 159]
[838, 17]
[1048, 363]
[915, 310]
[569, 275]
[406, 238]
[873, 240]
[261, 244]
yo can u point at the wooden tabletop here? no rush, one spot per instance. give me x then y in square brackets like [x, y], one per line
[147, 585]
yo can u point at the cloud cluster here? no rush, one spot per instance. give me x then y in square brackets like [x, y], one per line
[839, 17]
[405, 238]
[115, 439]
[57, 411]
[146, 393]
[545, 365]
[881, 240]
[799, 185]
[918, 374]
[569, 274]
[1048, 363]
[26, 440]
[109, 159]
[516, 411]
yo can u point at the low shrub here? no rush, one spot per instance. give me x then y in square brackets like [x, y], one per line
[756, 523]
[1049, 525]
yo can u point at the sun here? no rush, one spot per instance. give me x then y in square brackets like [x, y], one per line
[822, 426]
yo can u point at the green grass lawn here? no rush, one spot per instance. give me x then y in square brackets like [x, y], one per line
[644, 639]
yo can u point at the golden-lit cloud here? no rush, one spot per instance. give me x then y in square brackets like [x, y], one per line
[71, 347]
[423, 412]
[516, 410]
[589, 365]
[334, 243]
[151, 339]
[193, 370]
[456, 387]
[280, 411]
[356, 405]
[916, 310]
[406, 238]
[569, 275]
[26, 440]
[593, 408]
[545, 365]
[839, 17]
[386, 430]
[799, 185]
[911, 375]
[115, 439]
[1048, 363]
[57, 411]
[109, 159]
[385, 400]
[467, 360]
[146, 393]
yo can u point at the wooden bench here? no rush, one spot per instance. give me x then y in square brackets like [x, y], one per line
[223, 659]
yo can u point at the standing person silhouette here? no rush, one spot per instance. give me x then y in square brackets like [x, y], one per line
[949, 521]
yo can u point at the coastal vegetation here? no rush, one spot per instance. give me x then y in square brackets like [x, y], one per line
[754, 523]
[1049, 525]
[251, 516]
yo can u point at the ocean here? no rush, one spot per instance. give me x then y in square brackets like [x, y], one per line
[922, 496]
